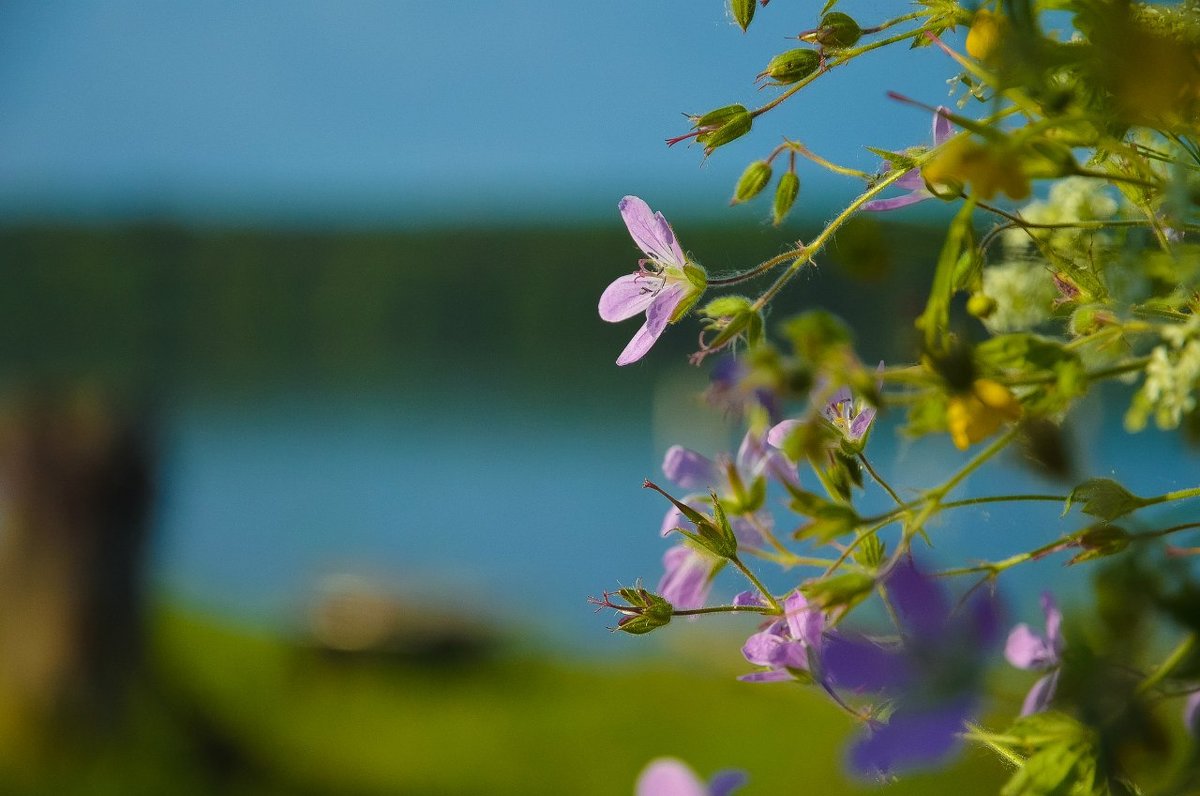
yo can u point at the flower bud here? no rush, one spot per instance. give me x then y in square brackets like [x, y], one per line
[715, 118]
[753, 180]
[980, 305]
[984, 36]
[785, 195]
[837, 31]
[737, 126]
[792, 66]
[743, 12]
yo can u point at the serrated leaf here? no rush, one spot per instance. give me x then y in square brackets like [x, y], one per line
[1104, 499]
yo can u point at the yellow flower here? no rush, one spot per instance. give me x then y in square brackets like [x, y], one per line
[976, 414]
[984, 36]
[988, 167]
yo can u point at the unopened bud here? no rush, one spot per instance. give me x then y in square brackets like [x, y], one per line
[737, 126]
[980, 305]
[753, 180]
[792, 66]
[837, 31]
[785, 196]
[717, 117]
[743, 12]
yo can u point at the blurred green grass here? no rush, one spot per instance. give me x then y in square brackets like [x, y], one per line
[233, 711]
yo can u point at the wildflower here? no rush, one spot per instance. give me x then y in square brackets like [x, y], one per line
[851, 416]
[665, 285]
[932, 675]
[912, 181]
[740, 482]
[1023, 295]
[1028, 649]
[667, 776]
[1172, 380]
[786, 646]
[976, 414]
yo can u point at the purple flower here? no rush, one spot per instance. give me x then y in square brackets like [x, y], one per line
[912, 181]
[730, 479]
[932, 675]
[1028, 649]
[791, 643]
[851, 416]
[665, 285]
[687, 576]
[668, 776]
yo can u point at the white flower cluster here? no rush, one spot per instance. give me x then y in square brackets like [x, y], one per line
[1024, 294]
[1071, 200]
[1172, 379]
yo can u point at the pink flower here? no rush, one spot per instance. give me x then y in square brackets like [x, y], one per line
[665, 285]
[912, 181]
[667, 776]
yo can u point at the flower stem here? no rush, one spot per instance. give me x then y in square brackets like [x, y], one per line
[757, 270]
[862, 457]
[750, 576]
[724, 609]
[1181, 651]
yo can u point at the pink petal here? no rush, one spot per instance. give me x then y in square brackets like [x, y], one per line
[657, 316]
[1039, 697]
[689, 469]
[942, 128]
[667, 776]
[780, 431]
[879, 205]
[627, 296]
[650, 231]
[1027, 649]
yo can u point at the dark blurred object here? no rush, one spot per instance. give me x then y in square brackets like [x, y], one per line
[357, 617]
[1047, 448]
[76, 489]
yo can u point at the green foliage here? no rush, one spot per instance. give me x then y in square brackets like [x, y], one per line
[1104, 499]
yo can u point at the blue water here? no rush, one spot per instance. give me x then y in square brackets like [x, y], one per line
[515, 511]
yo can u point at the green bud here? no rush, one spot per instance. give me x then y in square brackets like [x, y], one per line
[725, 306]
[837, 31]
[737, 126]
[1099, 541]
[829, 522]
[785, 195]
[870, 552]
[743, 12]
[646, 611]
[753, 180]
[715, 118]
[980, 305]
[792, 66]
[841, 590]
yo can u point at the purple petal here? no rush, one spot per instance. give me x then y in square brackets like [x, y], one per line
[779, 432]
[1191, 714]
[911, 180]
[914, 737]
[667, 776]
[724, 783]
[627, 296]
[761, 648]
[860, 665]
[687, 577]
[879, 205]
[1053, 624]
[942, 127]
[1028, 649]
[767, 676]
[861, 422]
[919, 601]
[805, 621]
[672, 520]
[1041, 694]
[748, 598]
[747, 533]
[651, 232]
[657, 315]
[689, 469]
[752, 454]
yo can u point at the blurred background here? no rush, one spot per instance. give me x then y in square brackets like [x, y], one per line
[312, 446]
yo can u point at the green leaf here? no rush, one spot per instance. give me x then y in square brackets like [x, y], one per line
[935, 320]
[1104, 499]
[829, 522]
[743, 12]
[897, 160]
[1051, 771]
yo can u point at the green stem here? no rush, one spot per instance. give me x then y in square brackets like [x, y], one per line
[757, 270]
[862, 457]
[724, 609]
[1179, 494]
[750, 576]
[1181, 651]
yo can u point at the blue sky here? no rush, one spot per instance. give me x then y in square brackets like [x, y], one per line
[409, 113]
